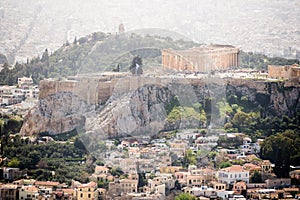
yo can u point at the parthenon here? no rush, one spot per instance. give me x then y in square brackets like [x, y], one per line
[201, 59]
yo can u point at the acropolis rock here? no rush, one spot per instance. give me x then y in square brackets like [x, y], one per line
[118, 104]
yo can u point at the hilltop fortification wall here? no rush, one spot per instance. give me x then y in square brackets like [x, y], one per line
[95, 90]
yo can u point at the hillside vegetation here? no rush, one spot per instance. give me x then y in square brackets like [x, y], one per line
[100, 52]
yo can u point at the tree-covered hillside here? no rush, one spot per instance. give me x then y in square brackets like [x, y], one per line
[261, 62]
[100, 52]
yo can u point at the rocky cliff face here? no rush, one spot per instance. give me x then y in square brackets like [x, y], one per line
[132, 113]
[140, 106]
[57, 113]
[272, 98]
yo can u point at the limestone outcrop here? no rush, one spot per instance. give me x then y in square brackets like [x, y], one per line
[137, 112]
[137, 105]
[57, 113]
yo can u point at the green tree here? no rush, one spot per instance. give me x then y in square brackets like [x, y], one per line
[116, 171]
[75, 40]
[224, 108]
[136, 66]
[185, 196]
[142, 180]
[224, 164]
[256, 177]
[45, 56]
[78, 144]
[283, 149]
[102, 183]
[14, 162]
[241, 120]
[211, 155]
[190, 158]
[42, 164]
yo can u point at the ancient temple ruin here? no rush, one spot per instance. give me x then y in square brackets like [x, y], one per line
[201, 59]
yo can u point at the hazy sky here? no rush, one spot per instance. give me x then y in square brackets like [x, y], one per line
[268, 26]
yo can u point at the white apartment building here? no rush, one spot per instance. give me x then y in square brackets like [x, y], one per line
[231, 174]
[25, 81]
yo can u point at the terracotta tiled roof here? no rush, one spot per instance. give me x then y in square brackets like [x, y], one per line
[250, 166]
[234, 168]
[47, 183]
[208, 170]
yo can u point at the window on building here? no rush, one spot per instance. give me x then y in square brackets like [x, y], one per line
[89, 195]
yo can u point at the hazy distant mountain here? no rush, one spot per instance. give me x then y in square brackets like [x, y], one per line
[271, 27]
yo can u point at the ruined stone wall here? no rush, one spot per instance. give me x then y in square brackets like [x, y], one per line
[295, 72]
[279, 71]
[200, 61]
[284, 72]
[48, 87]
[93, 91]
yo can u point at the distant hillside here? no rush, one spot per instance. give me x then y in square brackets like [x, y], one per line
[100, 52]
[261, 62]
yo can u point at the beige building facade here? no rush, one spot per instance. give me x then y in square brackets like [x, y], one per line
[87, 191]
